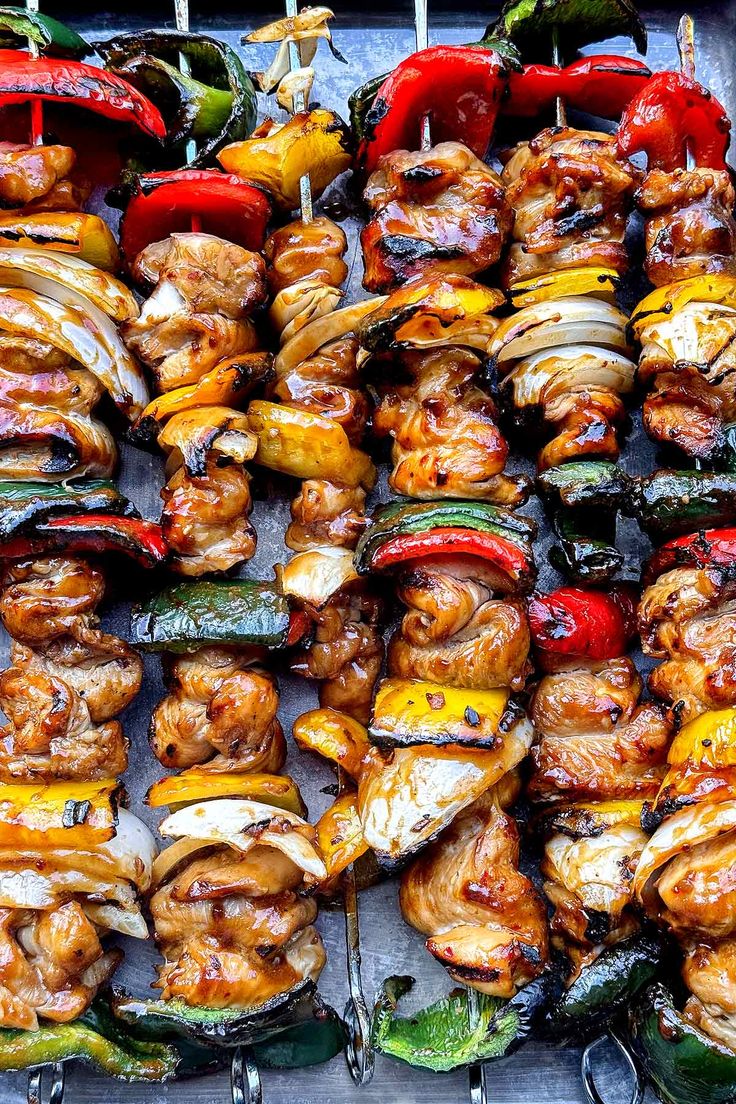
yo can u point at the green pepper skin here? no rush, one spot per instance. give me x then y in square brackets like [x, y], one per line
[24, 505]
[582, 558]
[683, 1064]
[360, 103]
[585, 497]
[605, 986]
[419, 517]
[188, 616]
[216, 103]
[51, 36]
[174, 1019]
[585, 483]
[529, 24]
[669, 503]
[97, 1039]
[307, 1044]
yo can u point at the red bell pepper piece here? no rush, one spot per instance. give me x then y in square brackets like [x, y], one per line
[591, 623]
[671, 116]
[451, 541]
[142, 540]
[602, 85]
[164, 203]
[299, 625]
[458, 87]
[706, 548]
[59, 80]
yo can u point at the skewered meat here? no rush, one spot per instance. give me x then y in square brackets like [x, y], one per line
[440, 209]
[31, 173]
[205, 518]
[690, 229]
[571, 198]
[485, 921]
[447, 443]
[323, 514]
[709, 972]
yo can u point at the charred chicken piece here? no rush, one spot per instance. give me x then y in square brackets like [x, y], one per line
[571, 197]
[205, 518]
[441, 209]
[220, 712]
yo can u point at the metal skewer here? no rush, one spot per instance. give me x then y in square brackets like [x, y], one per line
[686, 50]
[36, 105]
[34, 1091]
[560, 110]
[421, 30]
[300, 104]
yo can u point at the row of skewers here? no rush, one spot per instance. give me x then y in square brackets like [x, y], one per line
[631, 799]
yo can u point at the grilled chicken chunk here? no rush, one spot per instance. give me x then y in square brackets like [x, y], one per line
[31, 173]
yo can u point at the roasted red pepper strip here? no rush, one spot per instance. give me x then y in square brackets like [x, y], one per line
[590, 623]
[458, 87]
[142, 540]
[703, 549]
[671, 117]
[299, 625]
[602, 85]
[164, 203]
[58, 80]
[506, 555]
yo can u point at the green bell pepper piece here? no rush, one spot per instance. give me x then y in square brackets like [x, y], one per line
[17, 25]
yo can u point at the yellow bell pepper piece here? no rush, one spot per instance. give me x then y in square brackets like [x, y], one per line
[334, 736]
[340, 839]
[590, 818]
[87, 236]
[199, 785]
[278, 156]
[223, 385]
[668, 300]
[708, 742]
[59, 814]
[411, 711]
[308, 446]
[602, 283]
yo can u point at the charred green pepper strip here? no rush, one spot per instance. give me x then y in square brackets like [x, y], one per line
[439, 1038]
[683, 1064]
[97, 1039]
[585, 483]
[24, 505]
[214, 104]
[668, 503]
[188, 616]
[98, 533]
[531, 23]
[605, 986]
[18, 25]
[582, 558]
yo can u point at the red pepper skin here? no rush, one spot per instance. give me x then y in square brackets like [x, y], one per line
[458, 87]
[141, 540]
[450, 541]
[164, 203]
[708, 547]
[671, 116]
[592, 624]
[299, 625]
[602, 85]
[58, 80]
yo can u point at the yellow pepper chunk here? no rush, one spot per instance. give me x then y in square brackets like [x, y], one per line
[707, 742]
[335, 736]
[59, 814]
[199, 785]
[86, 236]
[590, 818]
[668, 300]
[308, 446]
[340, 839]
[223, 385]
[408, 711]
[277, 155]
[601, 283]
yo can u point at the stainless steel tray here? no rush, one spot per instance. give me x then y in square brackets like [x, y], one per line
[373, 41]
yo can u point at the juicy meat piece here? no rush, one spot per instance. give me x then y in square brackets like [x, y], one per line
[709, 972]
[456, 631]
[205, 519]
[571, 198]
[698, 888]
[306, 251]
[446, 439]
[50, 735]
[440, 209]
[323, 514]
[328, 384]
[29, 173]
[690, 229]
[220, 711]
[485, 921]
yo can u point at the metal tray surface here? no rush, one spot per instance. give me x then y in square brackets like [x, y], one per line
[373, 39]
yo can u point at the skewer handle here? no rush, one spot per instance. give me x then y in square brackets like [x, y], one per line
[245, 1080]
[586, 1068]
[34, 1092]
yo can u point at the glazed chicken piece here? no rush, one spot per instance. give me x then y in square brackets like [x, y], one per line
[690, 229]
[323, 514]
[485, 921]
[48, 607]
[205, 518]
[197, 315]
[688, 618]
[596, 741]
[220, 712]
[447, 443]
[50, 735]
[571, 197]
[47, 429]
[30, 173]
[440, 209]
[697, 889]
[305, 251]
[709, 972]
[457, 631]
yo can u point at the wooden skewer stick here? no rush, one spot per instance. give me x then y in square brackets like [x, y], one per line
[300, 104]
[686, 50]
[36, 105]
[421, 30]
